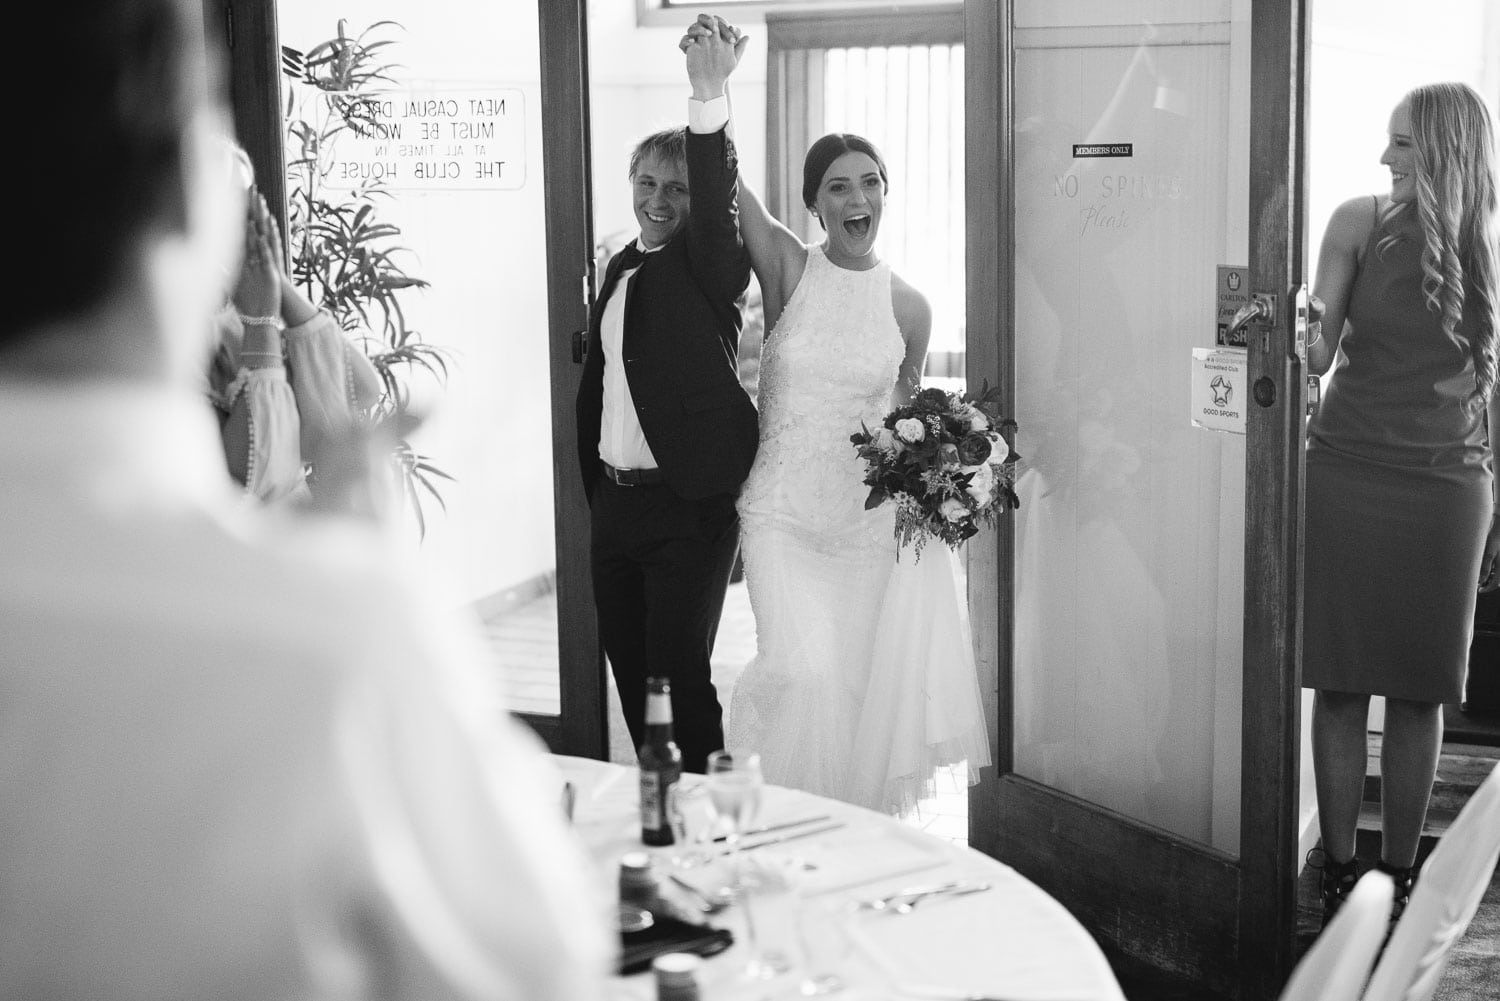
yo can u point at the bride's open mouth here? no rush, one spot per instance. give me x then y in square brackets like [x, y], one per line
[857, 226]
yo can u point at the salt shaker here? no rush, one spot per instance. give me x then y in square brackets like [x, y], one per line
[676, 976]
[637, 881]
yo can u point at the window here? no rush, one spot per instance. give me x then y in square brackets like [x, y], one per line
[658, 12]
[897, 81]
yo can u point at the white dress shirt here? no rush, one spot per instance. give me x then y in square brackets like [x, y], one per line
[240, 756]
[622, 442]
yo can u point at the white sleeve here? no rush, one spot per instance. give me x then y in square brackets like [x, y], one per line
[273, 467]
[461, 815]
[708, 116]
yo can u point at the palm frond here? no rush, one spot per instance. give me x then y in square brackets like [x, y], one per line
[344, 255]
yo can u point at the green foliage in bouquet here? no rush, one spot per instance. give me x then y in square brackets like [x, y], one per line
[343, 254]
[945, 461]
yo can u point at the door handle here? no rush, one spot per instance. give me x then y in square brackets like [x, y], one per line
[1260, 309]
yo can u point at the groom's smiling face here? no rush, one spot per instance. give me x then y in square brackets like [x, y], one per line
[660, 194]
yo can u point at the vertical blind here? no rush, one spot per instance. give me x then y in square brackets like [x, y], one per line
[908, 100]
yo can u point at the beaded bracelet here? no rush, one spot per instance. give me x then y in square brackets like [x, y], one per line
[264, 321]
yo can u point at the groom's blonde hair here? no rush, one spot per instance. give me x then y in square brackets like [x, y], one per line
[668, 143]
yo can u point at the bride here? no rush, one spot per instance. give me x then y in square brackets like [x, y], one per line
[863, 681]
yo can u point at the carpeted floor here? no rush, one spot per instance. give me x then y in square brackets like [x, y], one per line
[1472, 727]
[1473, 970]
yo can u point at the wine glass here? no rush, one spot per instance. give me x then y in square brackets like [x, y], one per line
[734, 782]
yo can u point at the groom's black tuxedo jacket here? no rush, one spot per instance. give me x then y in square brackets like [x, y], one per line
[682, 333]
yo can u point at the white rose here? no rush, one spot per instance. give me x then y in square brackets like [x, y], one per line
[953, 509]
[999, 450]
[910, 430]
[982, 485]
[979, 422]
[885, 440]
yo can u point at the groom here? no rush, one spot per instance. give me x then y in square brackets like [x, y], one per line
[666, 433]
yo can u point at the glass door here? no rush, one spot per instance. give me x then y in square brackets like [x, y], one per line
[1149, 181]
[451, 160]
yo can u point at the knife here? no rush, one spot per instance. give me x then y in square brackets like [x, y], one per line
[780, 827]
[809, 832]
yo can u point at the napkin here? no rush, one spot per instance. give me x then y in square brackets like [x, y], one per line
[836, 859]
[856, 855]
[668, 934]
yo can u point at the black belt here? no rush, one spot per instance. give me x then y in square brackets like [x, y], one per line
[633, 477]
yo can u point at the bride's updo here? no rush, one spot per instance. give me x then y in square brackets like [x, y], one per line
[828, 149]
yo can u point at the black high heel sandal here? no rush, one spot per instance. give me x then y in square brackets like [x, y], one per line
[1402, 878]
[1335, 883]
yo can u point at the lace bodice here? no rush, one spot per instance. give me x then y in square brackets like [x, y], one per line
[863, 680]
[830, 363]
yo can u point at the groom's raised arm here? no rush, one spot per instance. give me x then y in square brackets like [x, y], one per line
[716, 252]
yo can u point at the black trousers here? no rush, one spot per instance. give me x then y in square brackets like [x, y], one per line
[661, 565]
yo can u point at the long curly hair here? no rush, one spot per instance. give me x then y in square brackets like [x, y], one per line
[1454, 142]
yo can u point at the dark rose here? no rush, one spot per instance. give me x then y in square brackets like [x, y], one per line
[933, 399]
[973, 449]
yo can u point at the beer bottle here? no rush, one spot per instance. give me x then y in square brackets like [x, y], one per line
[661, 765]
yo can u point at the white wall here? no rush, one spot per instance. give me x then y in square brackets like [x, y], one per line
[638, 85]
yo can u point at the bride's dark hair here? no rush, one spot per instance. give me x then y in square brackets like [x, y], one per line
[828, 149]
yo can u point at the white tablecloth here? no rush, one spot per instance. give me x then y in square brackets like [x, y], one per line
[1012, 941]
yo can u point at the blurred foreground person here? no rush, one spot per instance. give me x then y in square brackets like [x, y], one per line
[239, 758]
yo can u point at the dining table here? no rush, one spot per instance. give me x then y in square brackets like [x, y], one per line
[986, 934]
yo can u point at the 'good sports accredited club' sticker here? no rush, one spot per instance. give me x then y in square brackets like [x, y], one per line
[1219, 389]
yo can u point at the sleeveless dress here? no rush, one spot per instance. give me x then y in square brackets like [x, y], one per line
[863, 680]
[1398, 491]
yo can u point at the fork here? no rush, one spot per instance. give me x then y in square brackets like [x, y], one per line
[910, 903]
[890, 900]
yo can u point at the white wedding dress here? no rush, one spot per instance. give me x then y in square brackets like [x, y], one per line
[863, 682]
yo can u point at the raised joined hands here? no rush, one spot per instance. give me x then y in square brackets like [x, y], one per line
[713, 48]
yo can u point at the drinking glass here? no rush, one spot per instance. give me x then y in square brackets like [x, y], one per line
[734, 783]
[826, 946]
[770, 889]
[693, 821]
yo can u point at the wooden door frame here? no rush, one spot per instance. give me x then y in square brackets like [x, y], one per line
[582, 726]
[1248, 952]
[246, 33]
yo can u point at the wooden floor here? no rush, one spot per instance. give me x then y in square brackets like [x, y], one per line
[523, 644]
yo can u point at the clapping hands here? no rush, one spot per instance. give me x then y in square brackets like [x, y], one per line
[713, 48]
[257, 290]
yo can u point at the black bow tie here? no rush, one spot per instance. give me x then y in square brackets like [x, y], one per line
[630, 257]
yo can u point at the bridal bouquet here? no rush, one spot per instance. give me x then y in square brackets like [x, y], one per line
[945, 462]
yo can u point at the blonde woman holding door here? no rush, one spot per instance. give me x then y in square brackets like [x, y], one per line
[1401, 508]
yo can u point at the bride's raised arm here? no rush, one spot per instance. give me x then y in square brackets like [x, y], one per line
[713, 48]
[777, 255]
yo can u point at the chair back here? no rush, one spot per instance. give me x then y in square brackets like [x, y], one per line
[1338, 964]
[1443, 900]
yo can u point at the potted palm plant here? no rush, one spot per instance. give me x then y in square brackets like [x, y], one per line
[341, 252]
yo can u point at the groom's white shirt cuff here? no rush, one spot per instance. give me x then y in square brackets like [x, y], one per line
[709, 116]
